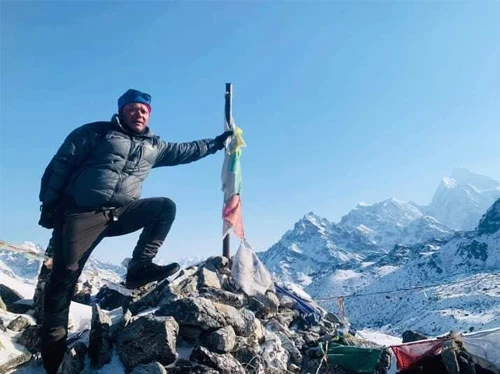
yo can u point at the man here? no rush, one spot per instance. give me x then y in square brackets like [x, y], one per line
[91, 190]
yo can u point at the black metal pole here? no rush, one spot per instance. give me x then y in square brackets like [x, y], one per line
[228, 115]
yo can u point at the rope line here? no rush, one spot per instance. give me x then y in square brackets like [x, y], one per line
[423, 287]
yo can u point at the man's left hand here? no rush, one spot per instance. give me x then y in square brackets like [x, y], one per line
[221, 139]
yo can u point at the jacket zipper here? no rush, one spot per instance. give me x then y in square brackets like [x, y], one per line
[120, 175]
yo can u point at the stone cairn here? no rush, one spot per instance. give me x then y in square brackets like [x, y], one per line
[201, 322]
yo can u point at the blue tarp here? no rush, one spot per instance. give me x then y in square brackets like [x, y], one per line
[303, 306]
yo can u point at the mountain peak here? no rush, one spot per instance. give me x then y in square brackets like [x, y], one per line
[312, 217]
[462, 173]
[313, 220]
[362, 204]
[473, 193]
[464, 177]
[393, 201]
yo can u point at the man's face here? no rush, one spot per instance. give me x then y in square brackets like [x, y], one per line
[135, 116]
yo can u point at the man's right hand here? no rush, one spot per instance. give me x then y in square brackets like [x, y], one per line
[47, 217]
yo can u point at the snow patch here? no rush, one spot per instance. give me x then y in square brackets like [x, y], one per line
[342, 275]
[364, 229]
[449, 182]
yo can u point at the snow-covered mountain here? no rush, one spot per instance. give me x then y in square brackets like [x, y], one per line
[316, 246]
[462, 198]
[436, 286]
[394, 222]
[26, 268]
[453, 284]
[394, 249]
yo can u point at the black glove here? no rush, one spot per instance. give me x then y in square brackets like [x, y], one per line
[219, 140]
[47, 217]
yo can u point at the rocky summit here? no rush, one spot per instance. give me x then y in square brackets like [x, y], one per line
[202, 322]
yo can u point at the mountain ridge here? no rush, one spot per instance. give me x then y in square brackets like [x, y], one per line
[330, 259]
[410, 249]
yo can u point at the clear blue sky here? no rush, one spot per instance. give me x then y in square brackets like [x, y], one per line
[340, 102]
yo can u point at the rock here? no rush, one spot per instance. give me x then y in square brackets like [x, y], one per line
[74, 359]
[293, 368]
[258, 332]
[264, 306]
[9, 296]
[2, 327]
[287, 302]
[247, 353]
[210, 315]
[274, 356]
[124, 321]
[219, 262]
[412, 336]
[221, 340]
[332, 326]
[182, 362]
[19, 324]
[314, 352]
[243, 321]
[317, 365]
[83, 293]
[274, 325]
[208, 276]
[13, 361]
[184, 285]
[11, 355]
[147, 299]
[287, 316]
[223, 363]
[224, 297]
[30, 338]
[151, 368]
[299, 342]
[100, 338]
[110, 299]
[325, 337]
[310, 338]
[20, 307]
[194, 312]
[286, 337]
[147, 339]
[449, 356]
[332, 318]
[274, 299]
[190, 333]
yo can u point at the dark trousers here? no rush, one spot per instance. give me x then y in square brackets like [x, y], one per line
[75, 236]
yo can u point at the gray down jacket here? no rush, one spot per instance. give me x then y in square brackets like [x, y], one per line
[101, 164]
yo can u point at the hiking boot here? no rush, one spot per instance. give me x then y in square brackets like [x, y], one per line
[142, 273]
[52, 355]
